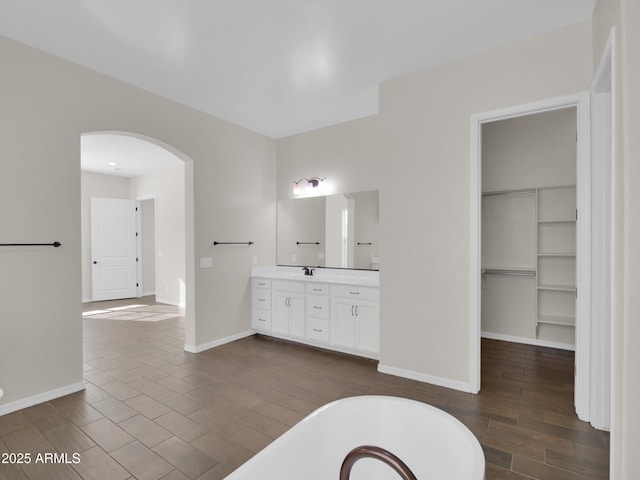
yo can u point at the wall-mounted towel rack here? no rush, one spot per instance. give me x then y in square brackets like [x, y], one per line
[54, 244]
[233, 243]
[307, 243]
[507, 271]
[364, 243]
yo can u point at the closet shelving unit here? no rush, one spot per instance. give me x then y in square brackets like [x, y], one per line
[554, 245]
[556, 256]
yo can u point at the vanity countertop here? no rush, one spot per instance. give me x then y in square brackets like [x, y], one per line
[366, 278]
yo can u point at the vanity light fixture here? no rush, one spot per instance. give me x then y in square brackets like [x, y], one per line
[312, 183]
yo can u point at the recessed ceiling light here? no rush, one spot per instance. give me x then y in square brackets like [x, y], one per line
[112, 164]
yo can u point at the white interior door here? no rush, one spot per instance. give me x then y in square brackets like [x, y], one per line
[113, 248]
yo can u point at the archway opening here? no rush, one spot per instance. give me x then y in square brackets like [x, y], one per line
[122, 171]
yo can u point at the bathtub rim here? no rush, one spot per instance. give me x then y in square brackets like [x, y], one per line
[477, 461]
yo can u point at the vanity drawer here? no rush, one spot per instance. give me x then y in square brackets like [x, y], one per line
[261, 298]
[261, 283]
[355, 292]
[318, 330]
[285, 286]
[261, 319]
[317, 288]
[317, 307]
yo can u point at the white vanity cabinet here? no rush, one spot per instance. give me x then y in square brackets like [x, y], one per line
[354, 319]
[288, 313]
[338, 315]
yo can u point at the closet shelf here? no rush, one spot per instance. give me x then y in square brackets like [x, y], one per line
[557, 320]
[557, 288]
[540, 254]
[568, 221]
[503, 267]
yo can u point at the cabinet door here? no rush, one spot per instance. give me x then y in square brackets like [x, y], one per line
[296, 316]
[280, 313]
[343, 323]
[367, 328]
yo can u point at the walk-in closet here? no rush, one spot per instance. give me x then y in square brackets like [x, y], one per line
[529, 229]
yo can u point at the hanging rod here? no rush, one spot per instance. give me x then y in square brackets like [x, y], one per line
[54, 244]
[307, 243]
[507, 271]
[364, 243]
[233, 243]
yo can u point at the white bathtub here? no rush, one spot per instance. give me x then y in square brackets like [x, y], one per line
[433, 444]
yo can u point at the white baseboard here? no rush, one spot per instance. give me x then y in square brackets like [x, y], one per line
[528, 341]
[217, 343]
[40, 398]
[423, 377]
[169, 302]
[87, 300]
[147, 294]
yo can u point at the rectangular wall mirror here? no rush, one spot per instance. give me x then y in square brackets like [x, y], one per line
[336, 231]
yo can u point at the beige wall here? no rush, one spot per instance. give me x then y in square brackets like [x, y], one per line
[167, 186]
[47, 103]
[424, 192]
[531, 151]
[346, 153]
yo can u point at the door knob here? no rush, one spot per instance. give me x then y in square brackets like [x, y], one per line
[94, 262]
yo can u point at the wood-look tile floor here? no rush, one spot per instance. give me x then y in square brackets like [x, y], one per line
[153, 411]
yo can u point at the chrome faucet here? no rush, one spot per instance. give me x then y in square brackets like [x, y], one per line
[308, 271]
[370, 451]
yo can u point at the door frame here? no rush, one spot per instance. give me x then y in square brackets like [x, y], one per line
[603, 93]
[581, 101]
[139, 200]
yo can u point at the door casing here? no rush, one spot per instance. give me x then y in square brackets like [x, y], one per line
[581, 101]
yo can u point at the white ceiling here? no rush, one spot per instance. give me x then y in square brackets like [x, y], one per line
[278, 67]
[132, 156]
